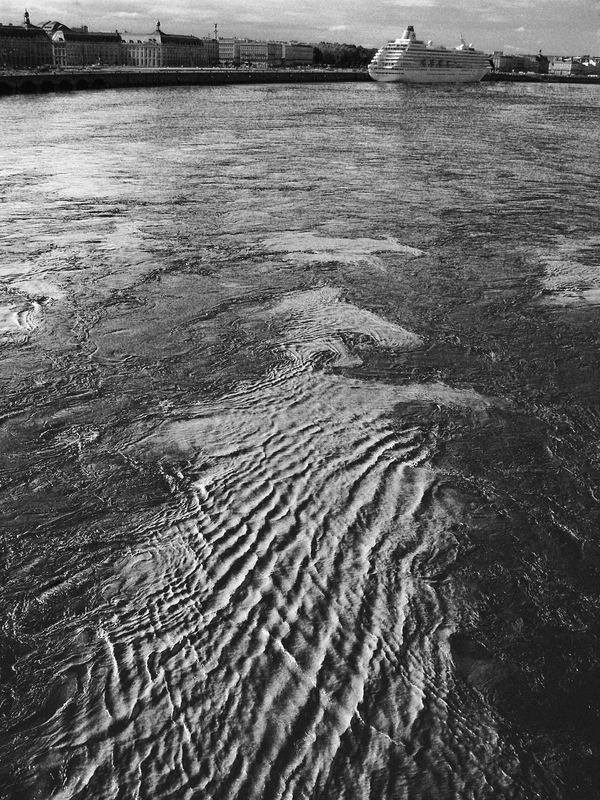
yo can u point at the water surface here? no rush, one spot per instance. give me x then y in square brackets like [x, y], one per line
[299, 443]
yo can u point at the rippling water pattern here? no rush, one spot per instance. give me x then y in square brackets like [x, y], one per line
[299, 443]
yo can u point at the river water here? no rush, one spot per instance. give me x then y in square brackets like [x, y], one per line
[299, 443]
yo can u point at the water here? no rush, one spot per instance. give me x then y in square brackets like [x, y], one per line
[299, 443]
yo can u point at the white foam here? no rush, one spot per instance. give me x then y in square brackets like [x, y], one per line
[308, 242]
[38, 286]
[572, 298]
[568, 281]
[315, 321]
[8, 319]
[19, 319]
[305, 247]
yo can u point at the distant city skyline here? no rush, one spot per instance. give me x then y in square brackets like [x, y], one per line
[509, 25]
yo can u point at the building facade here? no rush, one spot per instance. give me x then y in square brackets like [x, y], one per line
[566, 66]
[263, 54]
[537, 64]
[591, 64]
[78, 48]
[229, 51]
[24, 46]
[295, 54]
[159, 49]
[211, 48]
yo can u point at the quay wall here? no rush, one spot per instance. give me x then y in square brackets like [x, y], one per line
[76, 80]
[33, 82]
[532, 77]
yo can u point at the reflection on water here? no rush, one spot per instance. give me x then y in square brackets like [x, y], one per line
[298, 431]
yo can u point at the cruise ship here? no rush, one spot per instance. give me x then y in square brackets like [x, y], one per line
[410, 60]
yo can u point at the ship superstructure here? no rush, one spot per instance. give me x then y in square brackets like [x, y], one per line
[410, 60]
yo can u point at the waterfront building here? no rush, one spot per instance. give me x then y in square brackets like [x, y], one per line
[159, 49]
[24, 46]
[537, 64]
[264, 54]
[591, 64]
[211, 49]
[295, 54]
[229, 51]
[566, 66]
[80, 48]
[506, 63]
[587, 65]
[53, 25]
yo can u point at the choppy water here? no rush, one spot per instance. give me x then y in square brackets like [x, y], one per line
[299, 436]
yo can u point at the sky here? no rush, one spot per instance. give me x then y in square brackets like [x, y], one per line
[557, 27]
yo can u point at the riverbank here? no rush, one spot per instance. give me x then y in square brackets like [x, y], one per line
[68, 80]
[32, 82]
[531, 77]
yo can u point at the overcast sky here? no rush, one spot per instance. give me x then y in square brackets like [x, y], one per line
[554, 26]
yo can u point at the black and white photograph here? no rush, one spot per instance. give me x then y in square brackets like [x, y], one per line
[300, 400]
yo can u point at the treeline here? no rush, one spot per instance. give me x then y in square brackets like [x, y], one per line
[342, 55]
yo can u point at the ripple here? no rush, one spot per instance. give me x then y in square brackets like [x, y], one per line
[316, 319]
[282, 602]
[19, 320]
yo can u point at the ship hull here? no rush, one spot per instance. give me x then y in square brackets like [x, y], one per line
[429, 76]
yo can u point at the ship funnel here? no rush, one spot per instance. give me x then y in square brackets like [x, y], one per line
[409, 33]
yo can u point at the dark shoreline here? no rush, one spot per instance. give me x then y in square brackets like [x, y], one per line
[41, 82]
[66, 80]
[531, 77]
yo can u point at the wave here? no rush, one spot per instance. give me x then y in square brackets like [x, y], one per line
[286, 609]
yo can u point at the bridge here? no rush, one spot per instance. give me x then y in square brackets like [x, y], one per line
[69, 80]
